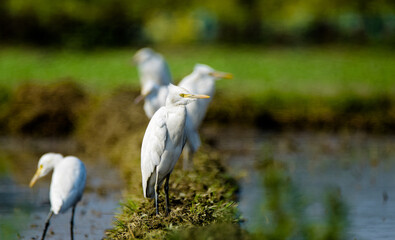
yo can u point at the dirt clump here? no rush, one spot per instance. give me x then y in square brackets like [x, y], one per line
[45, 110]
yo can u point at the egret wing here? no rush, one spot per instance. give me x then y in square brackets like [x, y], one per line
[68, 183]
[154, 143]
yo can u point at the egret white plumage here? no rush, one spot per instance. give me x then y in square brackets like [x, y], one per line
[200, 81]
[163, 142]
[152, 67]
[67, 184]
[154, 79]
[154, 96]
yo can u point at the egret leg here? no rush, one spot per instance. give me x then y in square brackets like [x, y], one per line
[46, 224]
[72, 223]
[167, 194]
[156, 193]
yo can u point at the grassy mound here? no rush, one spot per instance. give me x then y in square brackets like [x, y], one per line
[198, 198]
[60, 109]
[50, 110]
[275, 111]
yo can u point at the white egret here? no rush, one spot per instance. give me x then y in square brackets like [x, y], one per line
[163, 142]
[154, 96]
[200, 81]
[152, 67]
[67, 185]
[154, 79]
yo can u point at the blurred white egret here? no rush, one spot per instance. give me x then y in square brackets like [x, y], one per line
[152, 67]
[67, 185]
[154, 96]
[200, 81]
[163, 142]
[154, 78]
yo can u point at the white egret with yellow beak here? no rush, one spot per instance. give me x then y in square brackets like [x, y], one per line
[67, 184]
[163, 142]
[200, 81]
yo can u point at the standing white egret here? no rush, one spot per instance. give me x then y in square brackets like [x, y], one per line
[152, 67]
[154, 96]
[154, 79]
[200, 81]
[67, 185]
[163, 142]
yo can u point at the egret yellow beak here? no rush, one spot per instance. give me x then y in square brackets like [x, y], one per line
[36, 176]
[194, 96]
[222, 75]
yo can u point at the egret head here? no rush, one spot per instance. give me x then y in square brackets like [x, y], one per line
[180, 96]
[45, 165]
[205, 71]
[142, 55]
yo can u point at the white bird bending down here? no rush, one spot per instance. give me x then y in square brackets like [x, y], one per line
[154, 96]
[163, 142]
[154, 79]
[67, 185]
[200, 81]
[152, 67]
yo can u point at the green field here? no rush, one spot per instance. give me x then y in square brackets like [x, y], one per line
[301, 71]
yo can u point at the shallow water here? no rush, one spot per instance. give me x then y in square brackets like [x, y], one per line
[24, 210]
[360, 166]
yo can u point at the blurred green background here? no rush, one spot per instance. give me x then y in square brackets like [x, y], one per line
[309, 62]
[93, 23]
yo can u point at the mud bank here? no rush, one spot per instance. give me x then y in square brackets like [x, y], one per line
[64, 107]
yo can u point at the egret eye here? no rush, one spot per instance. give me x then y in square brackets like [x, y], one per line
[41, 166]
[182, 95]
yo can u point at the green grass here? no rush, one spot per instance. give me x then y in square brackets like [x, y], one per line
[324, 71]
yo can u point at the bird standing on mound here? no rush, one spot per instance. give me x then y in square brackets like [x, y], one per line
[154, 96]
[155, 78]
[200, 81]
[67, 185]
[163, 142]
[152, 67]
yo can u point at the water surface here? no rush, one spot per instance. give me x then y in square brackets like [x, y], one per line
[360, 166]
